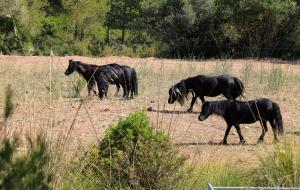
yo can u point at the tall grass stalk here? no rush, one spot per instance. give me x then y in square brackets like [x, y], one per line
[280, 167]
[276, 78]
[247, 73]
[218, 174]
[222, 67]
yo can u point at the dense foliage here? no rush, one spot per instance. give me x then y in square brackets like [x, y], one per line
[27, 171]
[170, 28]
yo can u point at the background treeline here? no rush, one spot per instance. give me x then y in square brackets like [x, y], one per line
[163, 28]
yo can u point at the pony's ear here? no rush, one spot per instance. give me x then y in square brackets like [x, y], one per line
[74, 64]
[70, 61]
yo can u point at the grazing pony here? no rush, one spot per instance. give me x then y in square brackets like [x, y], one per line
[87, 71]
[131, 82]
[91, 73]
[201, 85]
[237, 112]
[111, 74]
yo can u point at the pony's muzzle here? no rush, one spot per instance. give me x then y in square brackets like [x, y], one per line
[101, 94]
[201, 117]
[67, 73]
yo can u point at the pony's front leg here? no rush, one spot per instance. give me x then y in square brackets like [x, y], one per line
[190, 110]
[90, 86]
[224, 141]
[118, 88]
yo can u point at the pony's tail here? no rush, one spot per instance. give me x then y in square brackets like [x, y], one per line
[239, 88]
[278, 119]
[135, 82]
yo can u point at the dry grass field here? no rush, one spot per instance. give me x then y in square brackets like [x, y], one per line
[44, 103]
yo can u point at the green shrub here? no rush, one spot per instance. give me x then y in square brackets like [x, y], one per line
[77, 87]
[26, 171]
[9, 106]
[280, 168]
[132, 155]
[218, 174]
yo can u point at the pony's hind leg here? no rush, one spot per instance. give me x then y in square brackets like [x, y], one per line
[273, 124]
[264, 128]
[130, 87]
[238, 130]
[125, 90]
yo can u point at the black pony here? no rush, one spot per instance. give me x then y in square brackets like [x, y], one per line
[131, 82]
[91, 73]
[111, 74]
[200, 86]
[87, 71]
[237, 112]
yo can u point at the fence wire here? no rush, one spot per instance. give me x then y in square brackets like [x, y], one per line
[211, 187]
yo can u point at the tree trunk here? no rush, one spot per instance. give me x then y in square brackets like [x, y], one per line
[123, 34]
[123, 31]
[298, 9]
[107, 35]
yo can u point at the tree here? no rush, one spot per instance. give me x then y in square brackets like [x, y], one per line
[121, 13]
[256, 27]
[10, 39]
[186, 26]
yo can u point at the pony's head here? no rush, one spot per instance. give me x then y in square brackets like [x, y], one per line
[71, 68]
[177, 93]
[102, 86]
[206, 111]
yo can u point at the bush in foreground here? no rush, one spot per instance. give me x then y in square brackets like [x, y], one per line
[26, 171]
[132, 155]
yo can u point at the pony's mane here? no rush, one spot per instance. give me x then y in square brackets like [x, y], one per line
[182, 89]
[218, 107]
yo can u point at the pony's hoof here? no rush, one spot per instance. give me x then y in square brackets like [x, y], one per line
[242, 142]
[127, 98]
[223, 143]
[190, 110]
